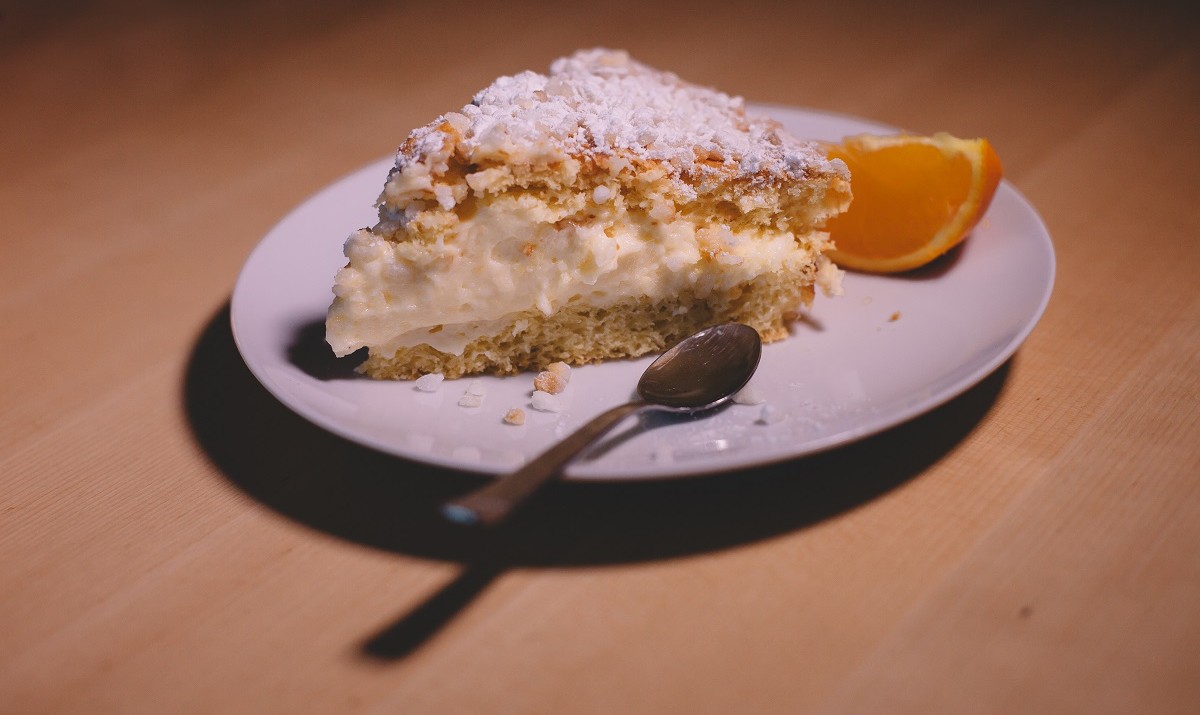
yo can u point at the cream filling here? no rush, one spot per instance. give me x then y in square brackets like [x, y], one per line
[511, 257]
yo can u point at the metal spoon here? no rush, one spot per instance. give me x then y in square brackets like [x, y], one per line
[701, 372]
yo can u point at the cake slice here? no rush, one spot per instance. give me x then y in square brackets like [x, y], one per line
[603, 210]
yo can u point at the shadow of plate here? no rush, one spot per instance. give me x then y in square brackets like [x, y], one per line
[340, 488]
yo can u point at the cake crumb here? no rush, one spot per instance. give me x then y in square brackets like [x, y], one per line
[748, 395]
[429, 383]
[515, 416]
[561, 369]
[894, 317]
[544, 402]
[554, 378]
[550, 382]
[475, 387]
[469, 400]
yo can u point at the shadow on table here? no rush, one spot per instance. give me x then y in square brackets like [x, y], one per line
[355, 493]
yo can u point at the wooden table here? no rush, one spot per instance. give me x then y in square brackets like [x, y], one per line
[172, 539]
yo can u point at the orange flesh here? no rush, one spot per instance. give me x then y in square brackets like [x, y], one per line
[914, 198]
[893, 194]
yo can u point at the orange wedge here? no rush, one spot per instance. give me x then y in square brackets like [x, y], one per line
[915, 198]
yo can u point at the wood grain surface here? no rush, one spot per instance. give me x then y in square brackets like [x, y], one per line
[174, 540]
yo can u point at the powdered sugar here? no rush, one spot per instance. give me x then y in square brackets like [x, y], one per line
[601, 102]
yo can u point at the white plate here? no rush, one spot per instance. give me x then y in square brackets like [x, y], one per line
[888, 350]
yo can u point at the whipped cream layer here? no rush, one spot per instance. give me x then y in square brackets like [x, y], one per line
[514, 256]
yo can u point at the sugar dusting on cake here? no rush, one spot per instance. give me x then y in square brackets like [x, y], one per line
[602, 102]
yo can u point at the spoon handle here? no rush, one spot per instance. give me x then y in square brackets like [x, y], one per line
[491, 503]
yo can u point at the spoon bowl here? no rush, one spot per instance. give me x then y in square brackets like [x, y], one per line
[701, 372]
